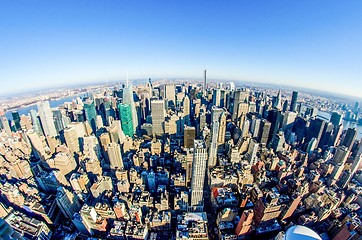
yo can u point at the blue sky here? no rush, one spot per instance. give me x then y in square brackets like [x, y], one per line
[314, 44]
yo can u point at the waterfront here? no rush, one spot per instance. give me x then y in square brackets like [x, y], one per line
[53, 104]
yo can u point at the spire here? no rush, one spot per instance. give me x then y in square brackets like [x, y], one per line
[127, 82]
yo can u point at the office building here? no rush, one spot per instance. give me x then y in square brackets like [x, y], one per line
[114, 156]
[198, 173]
[91, 114]
[158, 116]
[46, 117]
[293, 103]
[125, 115]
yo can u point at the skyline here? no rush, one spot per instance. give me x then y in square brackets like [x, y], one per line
[88, 41]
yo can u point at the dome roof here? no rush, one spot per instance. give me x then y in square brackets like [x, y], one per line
[301, 233]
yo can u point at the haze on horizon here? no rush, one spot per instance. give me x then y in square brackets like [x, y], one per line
[308, 44]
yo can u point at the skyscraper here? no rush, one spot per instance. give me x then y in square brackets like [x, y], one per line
[16, 119]
[128, 99]
[125, 115]
[114, 155]
[275, 117]
[67, 202]
[198, 172]
[170, 94]
[336, 118]
[213, 144]
[293, 103]
[90, 114]
[189, 136]
[35, 121]
[158, 116]
[264, 131]
[46, 117]
[5, 125]
[349, 138]
[186, 110]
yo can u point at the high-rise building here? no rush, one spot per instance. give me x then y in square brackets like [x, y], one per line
[158, 116]
[46, 117]
[189, 136]
[114, 156]
[253, 149]
[216, 97]
[58, 120]
[315, 130]
[293, 103]
[275, 117]
[125, 115]
[16, 119]
[336, 118]
[349, 138]
[222, 129]
[213, 144]
[67, 202]
[198, 172]
[264, 131]
[186, 110]
[170, 94]
[5, 125]
[71, 139]
[90, 114]
[288, 121]
[128, 99]
[35, 122]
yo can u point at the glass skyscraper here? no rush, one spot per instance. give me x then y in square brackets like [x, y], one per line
[90, 114]
[125, 115]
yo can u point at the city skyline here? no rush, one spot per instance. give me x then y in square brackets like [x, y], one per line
[296, 44]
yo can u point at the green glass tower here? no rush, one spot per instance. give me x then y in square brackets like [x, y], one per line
[125, 115]
[90, 114]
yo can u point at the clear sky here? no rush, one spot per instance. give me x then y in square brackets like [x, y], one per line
[309, 43]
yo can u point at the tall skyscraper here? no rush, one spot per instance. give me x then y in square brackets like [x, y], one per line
[46, 117]
[293, 103]
[158, 116]
[5, 125]
[125, 115]
[349, 138]
[186, 110]
[216, 97]
[336, 118]
[198, 172]
[67, 202]
[128, 99]
[275, 117]
[264, 131]
[58, 120]
[222, 129]
[170, 94]
[35, 122]
[315, 130]
[240, 96]
[189, 136]
[114, 156]
[213, 144]
[91, 114]
[16, 119]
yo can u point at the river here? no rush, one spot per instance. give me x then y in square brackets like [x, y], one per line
[52, 103]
